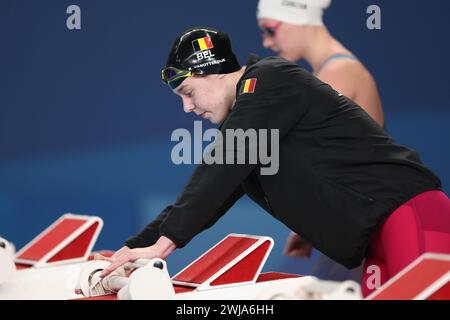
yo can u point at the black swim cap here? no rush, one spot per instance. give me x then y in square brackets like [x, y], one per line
[199, 51]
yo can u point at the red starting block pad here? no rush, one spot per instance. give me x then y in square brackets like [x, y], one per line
[69, 239]
[427, 278]
[236, 260]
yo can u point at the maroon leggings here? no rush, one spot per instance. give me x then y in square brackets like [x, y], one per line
[420, 225]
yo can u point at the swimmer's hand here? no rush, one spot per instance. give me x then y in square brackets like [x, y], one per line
[161, 249]
[297, 247]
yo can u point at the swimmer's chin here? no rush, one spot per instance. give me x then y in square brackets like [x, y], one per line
[287, 56]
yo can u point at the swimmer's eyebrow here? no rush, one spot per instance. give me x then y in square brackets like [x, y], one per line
[180, 89]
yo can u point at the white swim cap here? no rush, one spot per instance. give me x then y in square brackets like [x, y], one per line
[299, 12]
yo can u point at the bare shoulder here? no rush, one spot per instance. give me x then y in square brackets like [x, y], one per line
[353, 80]
[343, 70]
[347, 76]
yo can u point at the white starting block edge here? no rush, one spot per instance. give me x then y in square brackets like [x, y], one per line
[282, 289]
[44, 260]
[256, 291]
[435, 286]
[206, 285]
[10, 247]
[7, 266]
[148, 283]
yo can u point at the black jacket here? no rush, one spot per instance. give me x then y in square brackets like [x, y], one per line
[340, 173]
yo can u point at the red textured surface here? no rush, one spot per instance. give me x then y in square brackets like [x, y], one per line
[216, 259]
[78, 247]
[269, 276]
[414, 281]
[50, 240]
[181, 289]
[442, 294]
[246, 269]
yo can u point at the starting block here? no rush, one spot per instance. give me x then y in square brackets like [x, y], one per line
[236, 260]
[229, 270]
[7, 267]
[427, 278]
[149, 281]
[69, 239]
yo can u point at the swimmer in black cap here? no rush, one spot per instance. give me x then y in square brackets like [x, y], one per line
[196, 53]
[342, 183]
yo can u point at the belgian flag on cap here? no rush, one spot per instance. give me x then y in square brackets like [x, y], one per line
[202, 44]
[248, 86]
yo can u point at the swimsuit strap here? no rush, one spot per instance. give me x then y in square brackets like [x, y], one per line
[334, 57]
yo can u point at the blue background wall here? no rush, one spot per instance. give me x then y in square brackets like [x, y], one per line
[85, 122]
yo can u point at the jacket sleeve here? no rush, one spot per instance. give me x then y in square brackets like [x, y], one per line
[150, 234]
[275, 104]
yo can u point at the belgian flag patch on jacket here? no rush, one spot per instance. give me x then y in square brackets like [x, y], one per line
[248, 86]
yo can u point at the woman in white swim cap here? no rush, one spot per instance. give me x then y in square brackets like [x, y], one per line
[294, 29]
